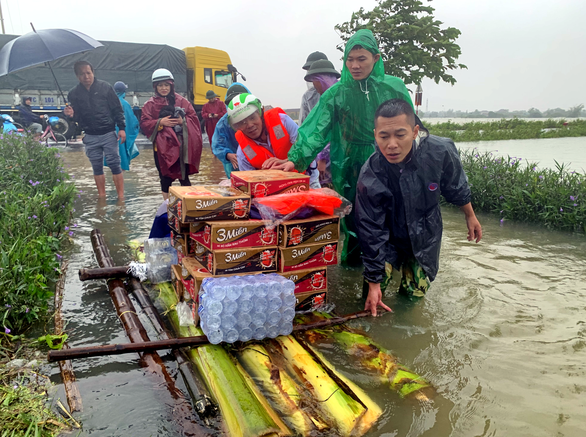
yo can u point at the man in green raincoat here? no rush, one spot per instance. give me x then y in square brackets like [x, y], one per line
[344, 116]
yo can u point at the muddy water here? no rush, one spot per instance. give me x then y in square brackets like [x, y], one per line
[501, 334]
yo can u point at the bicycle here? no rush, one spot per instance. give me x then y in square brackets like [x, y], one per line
[49, 136]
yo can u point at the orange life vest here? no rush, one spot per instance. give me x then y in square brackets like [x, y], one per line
[278, 136]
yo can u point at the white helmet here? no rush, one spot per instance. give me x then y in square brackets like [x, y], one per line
[162, 74]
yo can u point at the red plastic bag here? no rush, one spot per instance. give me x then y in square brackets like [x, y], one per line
[282, 207]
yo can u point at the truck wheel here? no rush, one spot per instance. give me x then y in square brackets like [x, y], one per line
[64, 126]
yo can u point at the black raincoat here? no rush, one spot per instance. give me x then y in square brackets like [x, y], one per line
[434, 169]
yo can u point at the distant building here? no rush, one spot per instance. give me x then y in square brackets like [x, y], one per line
[293, 113]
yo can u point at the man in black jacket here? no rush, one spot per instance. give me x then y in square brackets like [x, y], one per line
[397, 203]
[96, 107]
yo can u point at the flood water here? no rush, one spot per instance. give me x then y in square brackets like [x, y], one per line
[501, 334]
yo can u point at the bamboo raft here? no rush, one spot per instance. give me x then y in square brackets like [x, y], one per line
[277, 387]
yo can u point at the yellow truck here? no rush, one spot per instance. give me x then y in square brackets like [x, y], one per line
[196, 70]
[212, 70]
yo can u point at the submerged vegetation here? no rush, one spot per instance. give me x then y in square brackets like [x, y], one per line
[508, 129]
[36, 200]
[517, 190]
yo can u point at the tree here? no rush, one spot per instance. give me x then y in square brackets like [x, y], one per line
[575, 111]
[411, 41]
[534, 113]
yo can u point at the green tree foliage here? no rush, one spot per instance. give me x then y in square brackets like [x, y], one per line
[412, 43]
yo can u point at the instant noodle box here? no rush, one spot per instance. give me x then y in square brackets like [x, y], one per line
[261, 183]
[184, 284]
[308, 301]
[176, 225]
[234, 234]
[308, 281]
[237, 260]
[318, 229]
[199, 273]
[307, 256]
[183, 243]
[200, 203]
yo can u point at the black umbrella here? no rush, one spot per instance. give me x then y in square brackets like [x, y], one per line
[42, 46]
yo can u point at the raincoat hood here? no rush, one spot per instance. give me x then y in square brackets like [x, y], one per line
[121, 95]
[366, 40]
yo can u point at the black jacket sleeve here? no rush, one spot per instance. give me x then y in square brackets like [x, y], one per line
[373, 233]
[454, 182]
[116, 108]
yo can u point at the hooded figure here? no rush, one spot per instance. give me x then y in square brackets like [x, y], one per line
[128, 150]
[28, 118]
[177, 148]
[344, 116]
[211, 113]
[224, 144]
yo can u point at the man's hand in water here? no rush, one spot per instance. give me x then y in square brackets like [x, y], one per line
[375, 299]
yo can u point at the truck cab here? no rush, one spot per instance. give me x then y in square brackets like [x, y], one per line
[208, 69]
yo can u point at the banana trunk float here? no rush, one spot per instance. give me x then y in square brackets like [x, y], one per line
[347, 412]
[369, 355]
[245, 411]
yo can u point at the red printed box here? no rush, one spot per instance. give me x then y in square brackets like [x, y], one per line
[308, 281]
[307, 256]
[261, 183]
[307, 301]
[234, 234]
[200, 203]
[238, 260]
[183, 244]
[176, 225]
[317, 229]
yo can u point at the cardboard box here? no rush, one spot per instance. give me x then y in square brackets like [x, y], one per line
[261, 183]
[199, 272]
[308, 256]
[307, 281]
[201, 203]
[238, 260]
[176, 225]
[307, 301]
[318, 229]
[234, 234]
[183, 243]
[184, 284]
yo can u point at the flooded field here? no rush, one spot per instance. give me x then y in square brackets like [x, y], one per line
[501, 334]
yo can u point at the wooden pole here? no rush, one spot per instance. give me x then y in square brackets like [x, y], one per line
[183, 414]
[201, 399]
[105, 273]
[116, 349]
[67, 375]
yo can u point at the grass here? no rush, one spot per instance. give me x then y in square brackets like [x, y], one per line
[508, 129]
[24, 408]
[36, 200]
[520, 191]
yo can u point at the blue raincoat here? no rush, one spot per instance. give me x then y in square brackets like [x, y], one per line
[128, 150]
[224, 140]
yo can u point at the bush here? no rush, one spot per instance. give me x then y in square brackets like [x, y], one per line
[36, 200]
[508, 129]
[553, 197]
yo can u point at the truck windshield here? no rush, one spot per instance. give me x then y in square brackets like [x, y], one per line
[223, 79]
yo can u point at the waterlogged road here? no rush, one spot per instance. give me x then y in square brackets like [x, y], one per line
[501, 334]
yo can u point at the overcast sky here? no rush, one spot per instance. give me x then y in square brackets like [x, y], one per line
[519, 53]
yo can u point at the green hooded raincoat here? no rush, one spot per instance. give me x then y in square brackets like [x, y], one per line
[344, 116]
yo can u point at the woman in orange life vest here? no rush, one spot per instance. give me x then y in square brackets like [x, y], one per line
[263, 135]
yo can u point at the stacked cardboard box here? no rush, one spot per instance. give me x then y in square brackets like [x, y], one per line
[214, 236]
[307, 246]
